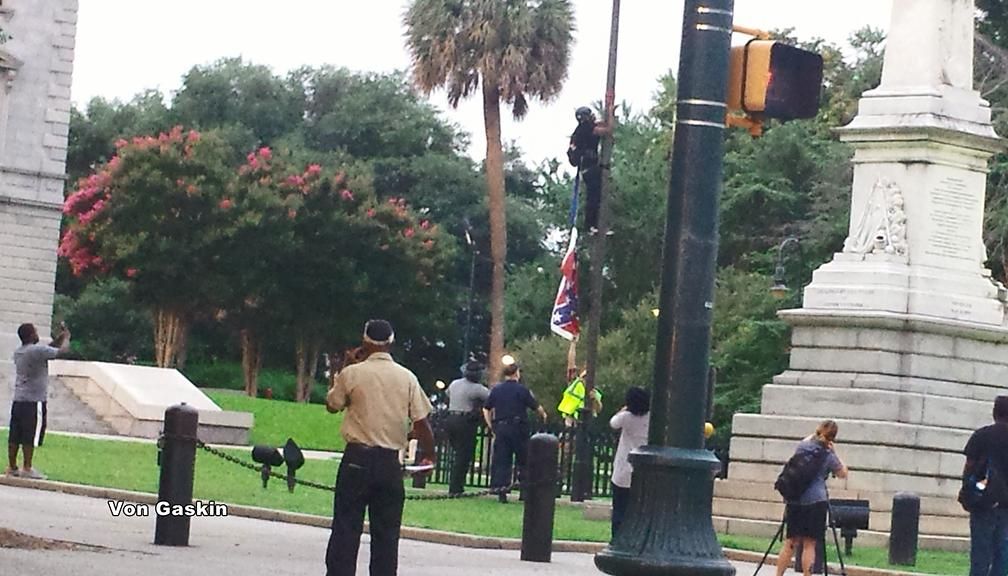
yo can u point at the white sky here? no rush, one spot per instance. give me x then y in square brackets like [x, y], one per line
[125, 46]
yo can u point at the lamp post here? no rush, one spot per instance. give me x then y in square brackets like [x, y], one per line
[472, 280]
[668, 528]
[780, 289]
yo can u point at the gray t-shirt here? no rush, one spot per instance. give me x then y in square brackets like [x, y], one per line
[466, 396]
[816, 492]
[32, 364]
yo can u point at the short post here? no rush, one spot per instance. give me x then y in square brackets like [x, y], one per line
[904, 529]
[540, 498]
[178, 460]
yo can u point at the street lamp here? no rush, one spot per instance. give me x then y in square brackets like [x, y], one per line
[472, 280]
[668, 528]
[780, 289]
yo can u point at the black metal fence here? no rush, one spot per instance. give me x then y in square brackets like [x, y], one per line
[602, 439]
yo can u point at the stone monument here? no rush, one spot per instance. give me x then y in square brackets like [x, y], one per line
[35, 70]
[901, 337]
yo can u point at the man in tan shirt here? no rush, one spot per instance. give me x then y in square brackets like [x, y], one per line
[382, 399]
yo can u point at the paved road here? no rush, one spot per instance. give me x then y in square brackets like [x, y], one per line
[221, 546]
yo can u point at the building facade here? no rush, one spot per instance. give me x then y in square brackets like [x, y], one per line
[36, 65]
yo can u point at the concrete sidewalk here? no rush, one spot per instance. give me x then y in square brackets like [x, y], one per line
[228, 545]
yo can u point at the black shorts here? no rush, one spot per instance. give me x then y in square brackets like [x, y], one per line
[27, 423]
[806, 520]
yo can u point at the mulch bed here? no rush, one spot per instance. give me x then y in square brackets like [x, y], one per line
[14, 539]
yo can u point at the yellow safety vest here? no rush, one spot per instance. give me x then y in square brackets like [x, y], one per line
[573, 398]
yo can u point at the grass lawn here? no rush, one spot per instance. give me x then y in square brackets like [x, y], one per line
[276, 420]
[132, 466]
[228, 375]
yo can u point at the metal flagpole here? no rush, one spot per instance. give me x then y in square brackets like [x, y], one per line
[583, 470]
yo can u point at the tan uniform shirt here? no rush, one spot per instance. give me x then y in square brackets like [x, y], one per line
[381, 399]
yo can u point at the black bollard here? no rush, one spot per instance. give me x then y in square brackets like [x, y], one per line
[175, 485]
[540, 498]
[904, 529]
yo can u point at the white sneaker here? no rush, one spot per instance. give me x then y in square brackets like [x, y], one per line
[11, 472]
[33, 474]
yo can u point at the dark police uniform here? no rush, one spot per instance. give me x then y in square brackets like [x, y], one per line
[510, 402]
[585, 143]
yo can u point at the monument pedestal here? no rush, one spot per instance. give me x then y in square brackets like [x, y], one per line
[906, 391]
[902, 337]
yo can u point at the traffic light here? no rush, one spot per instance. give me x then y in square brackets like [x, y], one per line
[768, 79]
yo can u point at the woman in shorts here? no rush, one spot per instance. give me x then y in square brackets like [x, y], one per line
[806, 516]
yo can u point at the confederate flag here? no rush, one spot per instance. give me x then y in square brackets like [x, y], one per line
[564, 320]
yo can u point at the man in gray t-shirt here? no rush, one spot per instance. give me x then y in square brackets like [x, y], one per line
[466, 397]
[31, 388]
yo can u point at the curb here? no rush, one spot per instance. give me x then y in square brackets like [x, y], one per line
[407, 532]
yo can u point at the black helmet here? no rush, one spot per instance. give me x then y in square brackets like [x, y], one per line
[583, 114]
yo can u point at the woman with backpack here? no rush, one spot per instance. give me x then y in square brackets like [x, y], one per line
[805, 514]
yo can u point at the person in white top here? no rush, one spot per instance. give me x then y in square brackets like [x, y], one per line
[632, 422]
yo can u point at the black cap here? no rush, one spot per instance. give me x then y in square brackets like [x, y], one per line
[378, 332]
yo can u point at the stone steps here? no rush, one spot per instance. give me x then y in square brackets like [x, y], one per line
[936, 387]
[859, 457]
[879, 405]
[66, 412]
[732, 489]
[132, 400]
[755, 509]
[852, 431]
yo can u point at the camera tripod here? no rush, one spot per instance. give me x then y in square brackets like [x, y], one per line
[836, 542]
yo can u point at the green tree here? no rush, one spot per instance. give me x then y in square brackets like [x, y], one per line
[107, 326]
[231, 92]
[513, 50]
[372, 116]
[353, 257]
[152, 215]
[94, 130]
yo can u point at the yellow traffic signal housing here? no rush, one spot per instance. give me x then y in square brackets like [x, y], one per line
[773, 80]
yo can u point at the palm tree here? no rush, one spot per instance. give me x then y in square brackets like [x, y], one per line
[513, 50]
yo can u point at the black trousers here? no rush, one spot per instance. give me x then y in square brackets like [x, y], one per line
[510, 444]
[592, 176]
[462, 435]
[368, 478]
[620, 503]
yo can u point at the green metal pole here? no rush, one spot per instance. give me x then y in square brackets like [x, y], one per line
[581, 488]
[668, 528]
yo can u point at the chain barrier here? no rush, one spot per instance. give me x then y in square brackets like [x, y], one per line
[258, 470]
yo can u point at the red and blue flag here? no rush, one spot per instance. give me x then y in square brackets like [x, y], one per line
[564, 319]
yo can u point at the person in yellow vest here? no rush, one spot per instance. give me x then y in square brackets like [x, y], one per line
[573, 397]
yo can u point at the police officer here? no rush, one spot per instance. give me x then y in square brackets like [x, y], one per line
[465, 398]
[507, 417]
[381, 398]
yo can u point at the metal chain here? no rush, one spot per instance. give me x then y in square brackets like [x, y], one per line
[258, 470]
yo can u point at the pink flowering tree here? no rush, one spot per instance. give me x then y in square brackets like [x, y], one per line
[351, 258]
[262, 205]
[154, 215]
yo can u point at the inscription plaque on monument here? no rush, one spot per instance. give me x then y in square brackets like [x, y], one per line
[953, 209]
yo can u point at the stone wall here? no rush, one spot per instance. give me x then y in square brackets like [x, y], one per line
[35, 77]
